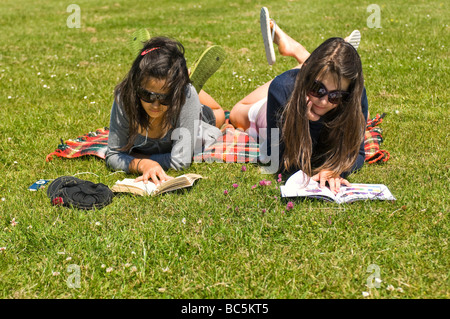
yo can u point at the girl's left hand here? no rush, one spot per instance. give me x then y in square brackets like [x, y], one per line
[334, 181]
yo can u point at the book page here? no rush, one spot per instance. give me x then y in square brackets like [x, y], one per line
[178, 182]
[128, 184]
[363, 191]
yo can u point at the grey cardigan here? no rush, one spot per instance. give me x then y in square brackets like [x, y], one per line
[175, 150]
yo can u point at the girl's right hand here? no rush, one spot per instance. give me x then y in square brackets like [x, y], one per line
[309, 113]
[334, 180]
[151, 170]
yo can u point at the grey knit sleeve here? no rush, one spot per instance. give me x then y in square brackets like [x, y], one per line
[117, 138]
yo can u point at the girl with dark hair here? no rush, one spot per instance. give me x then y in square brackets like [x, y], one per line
[157, 119]
[320, 109]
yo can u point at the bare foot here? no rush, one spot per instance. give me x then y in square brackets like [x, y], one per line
[288, 46]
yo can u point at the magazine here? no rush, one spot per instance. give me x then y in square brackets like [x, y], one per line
[298, 186]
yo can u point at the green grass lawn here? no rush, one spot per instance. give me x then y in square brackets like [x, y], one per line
[57, 82]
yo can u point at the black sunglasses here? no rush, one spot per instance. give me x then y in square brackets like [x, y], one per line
[152, 97]
[335, 97]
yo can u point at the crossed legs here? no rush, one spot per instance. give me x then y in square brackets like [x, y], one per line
[286, 47]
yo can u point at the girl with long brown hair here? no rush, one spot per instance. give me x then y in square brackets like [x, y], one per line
[157, 118]
[319, 108]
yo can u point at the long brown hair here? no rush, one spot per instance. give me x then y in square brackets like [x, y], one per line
[164, 61]
[343, 129]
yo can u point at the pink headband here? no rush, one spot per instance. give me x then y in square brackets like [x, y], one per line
[149, 50]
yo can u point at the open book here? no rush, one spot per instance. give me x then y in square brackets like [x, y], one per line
[128, 185]
[298, 186]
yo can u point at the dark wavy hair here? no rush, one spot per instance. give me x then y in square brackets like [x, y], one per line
[165, 62]
[343, 131]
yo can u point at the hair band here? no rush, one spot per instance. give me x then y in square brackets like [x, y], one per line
[149, 50]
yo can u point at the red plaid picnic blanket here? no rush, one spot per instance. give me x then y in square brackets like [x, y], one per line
[373, 139]
[239, 147]
[234, 146]
[92, 143]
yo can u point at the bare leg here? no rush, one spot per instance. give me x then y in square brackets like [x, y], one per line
[207, 100]
[239, 112]
[287, 47]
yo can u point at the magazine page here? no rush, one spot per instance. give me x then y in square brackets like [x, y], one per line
[298, 186]
[363, 191]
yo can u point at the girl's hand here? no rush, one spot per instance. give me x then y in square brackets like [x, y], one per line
[309, 113]
[333, 180]
[151, 170]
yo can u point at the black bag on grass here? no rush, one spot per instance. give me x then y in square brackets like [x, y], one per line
[70, 191]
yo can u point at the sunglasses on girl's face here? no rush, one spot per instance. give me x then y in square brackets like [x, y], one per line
[319, 90]
[152, 97]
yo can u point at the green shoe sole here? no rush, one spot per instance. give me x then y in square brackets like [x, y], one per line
[206, 65]
[137, 40]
